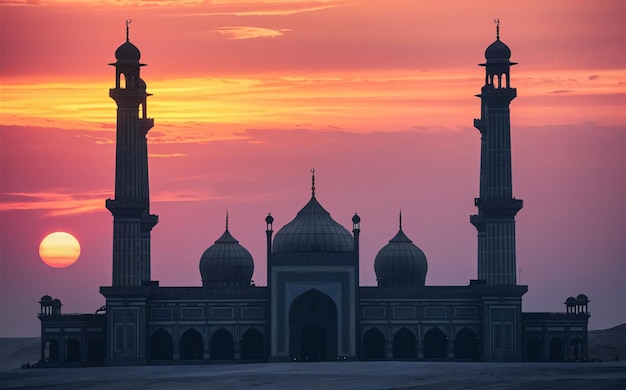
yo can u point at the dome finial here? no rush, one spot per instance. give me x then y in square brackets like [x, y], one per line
[227, 219]
[400, 219]
[497, 22]
[128, 21]
[313, 182]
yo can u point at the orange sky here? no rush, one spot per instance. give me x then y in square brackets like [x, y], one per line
[251, 94]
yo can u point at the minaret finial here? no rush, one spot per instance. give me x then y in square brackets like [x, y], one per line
[400, 219]
[226, 219]
[313, 182]
[497, 22]
[128, 21]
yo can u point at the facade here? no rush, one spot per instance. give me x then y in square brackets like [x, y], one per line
[312, 308]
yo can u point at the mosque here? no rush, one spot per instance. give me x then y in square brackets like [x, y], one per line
[312, 308]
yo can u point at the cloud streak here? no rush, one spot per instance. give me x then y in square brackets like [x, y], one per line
[249, 32]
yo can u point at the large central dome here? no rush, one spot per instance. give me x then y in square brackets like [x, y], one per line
[313, 230]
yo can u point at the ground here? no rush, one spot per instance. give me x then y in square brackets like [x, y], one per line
[341, 375]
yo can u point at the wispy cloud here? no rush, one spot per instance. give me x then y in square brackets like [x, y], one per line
[59, 203]
[266, 7]
[166, 155]
[248, 32]
[54, 203]
[594, 76]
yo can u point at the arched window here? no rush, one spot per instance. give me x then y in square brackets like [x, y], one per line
[404, 344]
[373, 347]
[191, 345]
[222, 345]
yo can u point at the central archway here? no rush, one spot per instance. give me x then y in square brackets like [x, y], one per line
[313, 343]
[313, 327]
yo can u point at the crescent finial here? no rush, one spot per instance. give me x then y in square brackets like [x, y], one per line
[128, 21]
[497, 22]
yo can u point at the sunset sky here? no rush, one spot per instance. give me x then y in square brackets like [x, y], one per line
[378, 97]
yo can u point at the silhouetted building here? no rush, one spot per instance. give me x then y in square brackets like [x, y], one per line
[313, 307]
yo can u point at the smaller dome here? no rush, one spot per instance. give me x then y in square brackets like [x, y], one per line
[46, 298]
[226, 263]
[56, 301]
[356, 219]
[570, 301]
[269, 219]
[582, 298]
[498, 52]
[127, 52]
[400, 263]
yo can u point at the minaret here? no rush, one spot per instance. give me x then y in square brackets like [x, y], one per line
[132, 221]
[497, 208]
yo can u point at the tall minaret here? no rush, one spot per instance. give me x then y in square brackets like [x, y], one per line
[132, 221]
[497, 208]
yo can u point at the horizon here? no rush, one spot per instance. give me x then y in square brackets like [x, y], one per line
[250, 95]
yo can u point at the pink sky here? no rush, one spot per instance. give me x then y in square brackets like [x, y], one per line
[250, 95]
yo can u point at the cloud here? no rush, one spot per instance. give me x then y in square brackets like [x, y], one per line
[248, 32]
[60, 203]
[594, 76]
[563, 91]
[54, 203]
[267, 7]
[166, 155]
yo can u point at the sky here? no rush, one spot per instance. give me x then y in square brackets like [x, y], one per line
[250, 95]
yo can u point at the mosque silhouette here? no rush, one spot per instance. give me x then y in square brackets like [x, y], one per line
[312, 308]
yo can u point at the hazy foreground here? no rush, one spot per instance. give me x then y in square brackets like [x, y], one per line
[342, 375]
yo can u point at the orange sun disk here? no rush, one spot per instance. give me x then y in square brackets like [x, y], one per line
[59, 249]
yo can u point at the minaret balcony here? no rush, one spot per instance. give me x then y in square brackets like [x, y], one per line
[126, 208]
[499, 207]
[479, 124]
[148, 221]
[146, 124]
[504, 95]
[127, 92]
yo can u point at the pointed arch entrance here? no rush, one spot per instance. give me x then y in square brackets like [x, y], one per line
[556, 349]
[435, 344]
[466, 344]
[191, 345]
[51, 351]
[95, 349]
[313, 327]
[533, 349]
[404, 344]
[72, 350]
[373, 347]
[252, 345]
[222, 345]
[161, 346]
[576, 351]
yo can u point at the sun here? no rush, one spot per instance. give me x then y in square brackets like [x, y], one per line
[59, 250]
